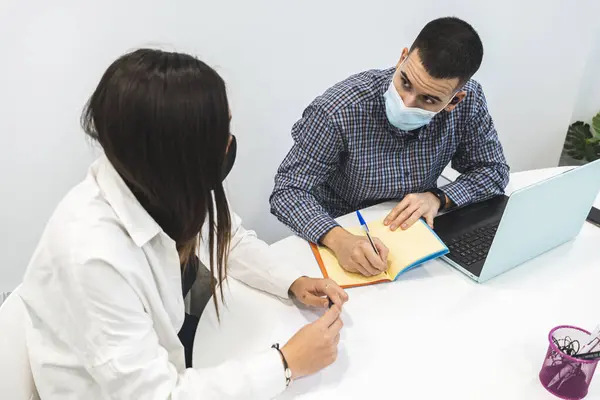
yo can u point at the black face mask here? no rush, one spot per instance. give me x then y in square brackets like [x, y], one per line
[229, 159]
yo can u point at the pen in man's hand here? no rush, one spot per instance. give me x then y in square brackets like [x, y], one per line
[363, 224]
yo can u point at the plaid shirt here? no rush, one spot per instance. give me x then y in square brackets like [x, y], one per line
[347, 156]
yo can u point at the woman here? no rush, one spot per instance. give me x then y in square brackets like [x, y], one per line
[104, 287]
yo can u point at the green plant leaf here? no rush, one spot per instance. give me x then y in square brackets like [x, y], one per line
[590, 153]
[596, 147]
[596, 125]
[576, 140]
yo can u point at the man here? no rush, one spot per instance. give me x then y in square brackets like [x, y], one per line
[383, 135]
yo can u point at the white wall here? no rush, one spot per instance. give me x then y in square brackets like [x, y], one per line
[276, 57]
[587, 103]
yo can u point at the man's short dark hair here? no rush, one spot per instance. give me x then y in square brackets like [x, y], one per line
[449, 48]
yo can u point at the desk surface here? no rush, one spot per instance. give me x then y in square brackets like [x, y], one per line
[434, 333]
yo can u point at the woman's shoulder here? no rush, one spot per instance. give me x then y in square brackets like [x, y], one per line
[84, 220]
[83, 227]
[78, 260]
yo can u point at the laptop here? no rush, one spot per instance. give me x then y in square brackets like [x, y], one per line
[488, 238]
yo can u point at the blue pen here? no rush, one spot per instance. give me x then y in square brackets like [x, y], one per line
[366, 229]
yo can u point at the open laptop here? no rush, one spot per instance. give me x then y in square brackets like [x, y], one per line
[488, 238]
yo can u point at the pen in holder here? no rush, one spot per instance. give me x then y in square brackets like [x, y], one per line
[563, 374]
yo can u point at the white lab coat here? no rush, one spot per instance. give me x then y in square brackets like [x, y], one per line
[103, 293]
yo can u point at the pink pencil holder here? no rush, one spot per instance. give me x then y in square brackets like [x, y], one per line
[562, 375]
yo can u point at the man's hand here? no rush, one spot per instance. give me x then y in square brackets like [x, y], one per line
[355, 253]
[317, 292]
[411, 208]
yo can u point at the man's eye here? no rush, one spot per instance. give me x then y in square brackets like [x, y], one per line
[405, 83]
[428, 100]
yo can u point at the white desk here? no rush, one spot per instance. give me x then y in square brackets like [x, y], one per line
[433, 334]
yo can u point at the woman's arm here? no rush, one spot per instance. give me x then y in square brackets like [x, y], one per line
[253, 262]
[113, 334]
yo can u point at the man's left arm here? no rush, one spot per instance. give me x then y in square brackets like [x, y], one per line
[480, 160]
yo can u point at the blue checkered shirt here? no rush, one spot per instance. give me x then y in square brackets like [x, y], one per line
[347, 156]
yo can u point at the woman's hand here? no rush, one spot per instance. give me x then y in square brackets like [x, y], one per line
[317, 292]
[315, 346]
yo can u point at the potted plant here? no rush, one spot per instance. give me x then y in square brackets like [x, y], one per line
[582, 143]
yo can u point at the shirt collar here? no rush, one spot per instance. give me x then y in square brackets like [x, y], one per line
[140, 226]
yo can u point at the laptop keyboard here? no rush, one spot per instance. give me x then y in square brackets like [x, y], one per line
[473, 246]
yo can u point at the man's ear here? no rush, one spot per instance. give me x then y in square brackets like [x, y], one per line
[458, 97]
[403, 57]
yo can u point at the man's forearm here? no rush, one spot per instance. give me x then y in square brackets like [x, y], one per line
[332, 238]
[477, 185]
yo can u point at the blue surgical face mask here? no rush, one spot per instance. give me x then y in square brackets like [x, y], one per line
[402, 117]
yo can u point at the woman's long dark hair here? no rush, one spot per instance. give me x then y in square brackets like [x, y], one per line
[163, 121]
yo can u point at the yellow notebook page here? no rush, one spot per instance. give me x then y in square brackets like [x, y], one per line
[406, 247]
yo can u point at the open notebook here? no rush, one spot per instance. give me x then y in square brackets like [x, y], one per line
[408, 249]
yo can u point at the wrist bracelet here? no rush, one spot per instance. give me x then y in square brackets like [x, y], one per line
[286, 367]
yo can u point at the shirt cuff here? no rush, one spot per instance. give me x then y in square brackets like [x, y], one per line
[317, 227]
[270, 374]
[457, 193]
[283, 277]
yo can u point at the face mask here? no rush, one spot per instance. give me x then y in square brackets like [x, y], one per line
[229, 159]
[402, 117]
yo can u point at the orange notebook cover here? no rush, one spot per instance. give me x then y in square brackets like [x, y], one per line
[408, 249]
